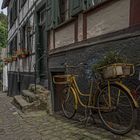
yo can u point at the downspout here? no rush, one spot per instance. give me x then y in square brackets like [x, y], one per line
[18, 61]
[36, 47]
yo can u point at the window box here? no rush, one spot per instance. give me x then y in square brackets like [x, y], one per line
[7, 60]
[23, 53]
[14, 58]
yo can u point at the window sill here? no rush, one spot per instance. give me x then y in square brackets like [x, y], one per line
[65, 23]
[96, 6]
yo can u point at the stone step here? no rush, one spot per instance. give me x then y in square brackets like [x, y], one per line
[29, 96]
[22, 103]
[39, 89]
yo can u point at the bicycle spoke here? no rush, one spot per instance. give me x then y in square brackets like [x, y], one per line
[120, 116]
[68, 103]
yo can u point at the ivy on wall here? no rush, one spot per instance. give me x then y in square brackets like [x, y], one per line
[3, 30]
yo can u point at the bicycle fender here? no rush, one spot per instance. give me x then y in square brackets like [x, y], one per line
[76, 100]
[129, 92]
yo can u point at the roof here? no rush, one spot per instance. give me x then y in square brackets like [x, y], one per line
[5, 3]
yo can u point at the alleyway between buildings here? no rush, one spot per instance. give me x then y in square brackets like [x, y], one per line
[15, 125]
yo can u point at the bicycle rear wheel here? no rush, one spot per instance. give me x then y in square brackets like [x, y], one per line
[68, 103]
[120, 117]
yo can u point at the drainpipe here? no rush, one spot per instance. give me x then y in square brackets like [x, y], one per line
[36, 46]
[18, 60]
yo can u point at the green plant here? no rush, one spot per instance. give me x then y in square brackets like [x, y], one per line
[110, 58]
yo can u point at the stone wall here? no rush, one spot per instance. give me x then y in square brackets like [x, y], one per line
[91, 55]
[18, 82]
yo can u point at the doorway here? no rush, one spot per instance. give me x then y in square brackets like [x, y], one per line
[57, 92]
[42, 51]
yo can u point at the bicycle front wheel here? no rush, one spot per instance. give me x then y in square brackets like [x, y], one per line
[120, 116]
[68, 103]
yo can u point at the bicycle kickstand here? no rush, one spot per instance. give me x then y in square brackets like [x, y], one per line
[90, 116]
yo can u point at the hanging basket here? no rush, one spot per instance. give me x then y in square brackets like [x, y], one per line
[116, 70]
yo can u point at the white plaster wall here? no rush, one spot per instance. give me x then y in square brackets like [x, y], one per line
[80, 27]
[32, 63]
[3, 53]
[51, 45]
[111, 18]
[64, 36]
[23, 12]
[25, 65]
[30, 3]
[13, 66]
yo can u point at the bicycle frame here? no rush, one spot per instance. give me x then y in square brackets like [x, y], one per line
[91, 96]
[108, 97]
[75, 89]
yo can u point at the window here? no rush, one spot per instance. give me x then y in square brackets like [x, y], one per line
[59, 11]
[25, 38]
[79, 5]
[21, 3]
[42, 17]
[11, 22]
[13, 13]
[63, 10]
[22, 37]
[13, 46]
[90, 3]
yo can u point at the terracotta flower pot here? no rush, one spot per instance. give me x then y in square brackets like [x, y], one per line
[14, 58]
[23, 56]
[5, 63]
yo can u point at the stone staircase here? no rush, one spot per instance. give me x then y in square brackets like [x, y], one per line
[34, 100]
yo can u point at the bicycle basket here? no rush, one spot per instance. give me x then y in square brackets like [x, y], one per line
[61, 79]
[116, 70]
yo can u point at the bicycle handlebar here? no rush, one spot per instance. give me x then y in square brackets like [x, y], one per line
[74, 66]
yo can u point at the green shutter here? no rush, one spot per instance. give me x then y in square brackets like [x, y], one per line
[49, 14]
[90, 3]
[56, 13]
[76, 6]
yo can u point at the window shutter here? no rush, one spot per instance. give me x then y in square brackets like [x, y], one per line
[49, 14]
[76, 6]
[90, 3]
[56, 12]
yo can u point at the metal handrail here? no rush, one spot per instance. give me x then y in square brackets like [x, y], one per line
[34, 66]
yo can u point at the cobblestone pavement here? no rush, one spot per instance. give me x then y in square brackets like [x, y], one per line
[39, 126]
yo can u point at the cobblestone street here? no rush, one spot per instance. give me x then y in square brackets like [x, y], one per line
[39, 126]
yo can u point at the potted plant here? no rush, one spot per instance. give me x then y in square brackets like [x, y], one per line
[22, 53]
[7, 60]
[113, 65]
[14, 57]
[18, 53]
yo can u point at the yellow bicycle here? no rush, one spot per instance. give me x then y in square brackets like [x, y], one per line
[112, 100]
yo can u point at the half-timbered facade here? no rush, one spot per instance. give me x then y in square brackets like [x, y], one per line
[55, 32]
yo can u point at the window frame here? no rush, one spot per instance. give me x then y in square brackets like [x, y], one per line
[13, 12]
[64, 11]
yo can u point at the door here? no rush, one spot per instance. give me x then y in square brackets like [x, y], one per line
[43, 46]
[57, 88]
